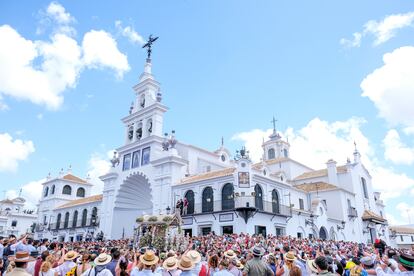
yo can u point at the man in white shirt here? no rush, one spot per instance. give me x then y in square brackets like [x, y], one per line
[100, 266]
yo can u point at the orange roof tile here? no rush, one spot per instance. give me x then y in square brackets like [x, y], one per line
[81, 201]
[208, 175]
[320, 173]
[73, 178]
[315, 186]
[402, 229]
[370, 215]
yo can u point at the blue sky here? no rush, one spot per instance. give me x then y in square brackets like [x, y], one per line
[226, 67]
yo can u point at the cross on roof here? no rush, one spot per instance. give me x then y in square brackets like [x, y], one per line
[274, 123]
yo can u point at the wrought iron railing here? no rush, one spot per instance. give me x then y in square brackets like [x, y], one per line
[240, 202]
[70, 224]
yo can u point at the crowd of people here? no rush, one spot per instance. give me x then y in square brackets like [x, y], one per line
[210, 255]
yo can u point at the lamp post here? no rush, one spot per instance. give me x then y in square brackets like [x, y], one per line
[168, 209]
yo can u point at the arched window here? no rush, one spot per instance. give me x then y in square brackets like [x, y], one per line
[52, 191]
[364, 187]
[207, 203]
[271, 154]
[227, 197]
[285, 153]
[80, 192]
[189, 195]
[46, 191]
[258, 197]
[84, 217]
[59, 218]
[75, 219]
[67, 190]
[94, 218]
[66, 223]
[275, 202]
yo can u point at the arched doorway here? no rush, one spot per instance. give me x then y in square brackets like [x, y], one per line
[189, 195]
[258, 197]
[133, 199]
[275, 202]
[207, 201]
[227, 198]
[323, 233]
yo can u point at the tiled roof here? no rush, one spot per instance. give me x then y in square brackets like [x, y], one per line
[73, 178]
[208, 175]
[315, 186]
[370, 215]
[9, 201]
[402, 229]
[320, 173]
[81, 201]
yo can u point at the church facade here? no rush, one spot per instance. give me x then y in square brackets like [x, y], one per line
[153, 170]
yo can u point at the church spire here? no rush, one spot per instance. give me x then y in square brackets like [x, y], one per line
[274, 135]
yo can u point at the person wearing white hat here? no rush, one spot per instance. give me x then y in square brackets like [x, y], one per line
[170, 266]
[195, 258]
[100, 266]
[68, 263]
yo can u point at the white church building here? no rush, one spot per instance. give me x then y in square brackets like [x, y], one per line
[152, 170]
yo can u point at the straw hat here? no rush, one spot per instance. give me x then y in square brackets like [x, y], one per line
[149, 258]
[170, 263]
[230, 254]
[239, 265]
[290, 256]
[185, 263]
[71, 255]
[102, 259]
[194, 256]
[21, 257]
[312, 266]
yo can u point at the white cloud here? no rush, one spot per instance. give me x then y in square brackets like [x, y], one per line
[406, 211]
[3, 106]
[58, 18]
[354, 42]
[319, 141]
[101, 50]
[390, 87]
[58, 12]
[382, 30]
[129, 32]
[31, 192]
[13, 151]
[391, 184]
[315, 143]
[253, 141]
[61, 62]
[98, 165]
[395, 150]
[409, 130]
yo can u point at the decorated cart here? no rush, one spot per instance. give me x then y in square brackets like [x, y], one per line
[162, 232]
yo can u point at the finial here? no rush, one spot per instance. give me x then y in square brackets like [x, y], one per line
[148, 45]
[131, 107]
[70, 169]
[222, 141]
[274, 124]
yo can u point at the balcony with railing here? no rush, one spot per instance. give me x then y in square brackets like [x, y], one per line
[239, 202]
[70, 224]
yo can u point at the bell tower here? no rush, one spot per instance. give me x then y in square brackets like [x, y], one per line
[146, 113]
[275, 147]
